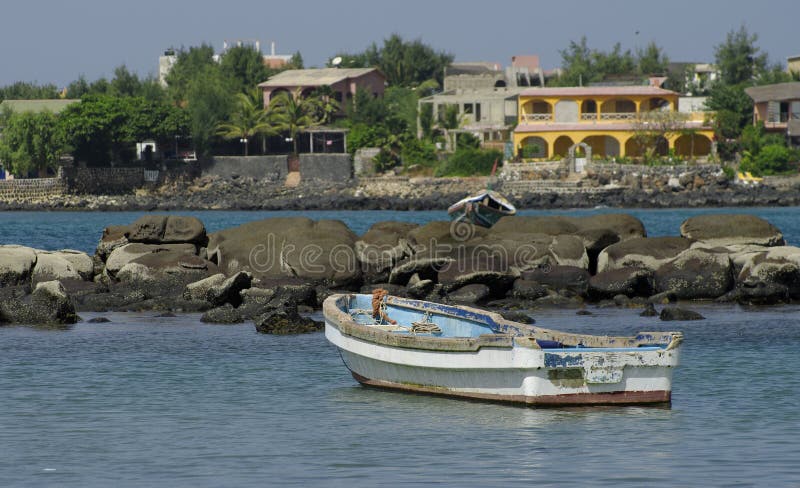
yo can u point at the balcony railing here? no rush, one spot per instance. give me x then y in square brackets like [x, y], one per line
[537, 117]
[618, 116]
[588, 116]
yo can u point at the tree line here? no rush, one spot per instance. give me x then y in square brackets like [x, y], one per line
[211, 102]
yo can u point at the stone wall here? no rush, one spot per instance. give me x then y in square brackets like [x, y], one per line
[551, 170]
[326, 167]
[103, 181]
[273, 168]
[33, 188]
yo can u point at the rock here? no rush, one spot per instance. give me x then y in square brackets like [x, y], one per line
[439, 237]
[624, 226]
[49, 304]
[424, 267]
[180, 229]
[80, 261]
[198, 289]
[50, 266]
[16, 265]
[477, 265]
[627, 281]
[675, 313]
[647, 253]
[569, 251]
[557, 300]
[98, 320]
[171, 266]
[114, 236]
[696, 273]
[226, 314]
[663, 298]
[286, 321]
[420, 289]
[123, 255]
[727, 229]
[383, 245]
[572, 278]
[528, 289]
[583, 312]
[317, 252]
[147, 229]
[517, 316]
[649, 311]
[229, 290]
[469, 294]
[777, 266]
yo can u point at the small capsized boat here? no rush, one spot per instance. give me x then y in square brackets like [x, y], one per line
[425, 347]
[484, 209]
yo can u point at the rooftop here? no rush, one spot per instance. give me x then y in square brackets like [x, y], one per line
[776, 92]
[315, 77]
[583, 91]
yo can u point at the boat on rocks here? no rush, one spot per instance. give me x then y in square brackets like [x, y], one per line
[424, 347]
[483, 209]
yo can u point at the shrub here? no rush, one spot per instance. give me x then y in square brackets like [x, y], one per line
[384, 161]
[772, 159]
[419, 152]
[469, 162]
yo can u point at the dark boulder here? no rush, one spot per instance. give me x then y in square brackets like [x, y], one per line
[558, 278]
[643, 252]
[469, 294]
[226, 314]
[286, 321]
[49, 304]
[696, 273]
[626, 281]
[675, 313]
[517, 316]
[528, 290]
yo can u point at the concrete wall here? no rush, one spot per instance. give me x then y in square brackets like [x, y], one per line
[273, 168]
[326, 167]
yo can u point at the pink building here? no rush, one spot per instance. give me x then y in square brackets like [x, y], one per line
[343, 82]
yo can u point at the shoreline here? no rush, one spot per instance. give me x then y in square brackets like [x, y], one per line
[255, 195]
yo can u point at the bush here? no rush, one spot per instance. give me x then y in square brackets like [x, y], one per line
[469, 162]
[772, 159]
[384, 161]
[418, 152]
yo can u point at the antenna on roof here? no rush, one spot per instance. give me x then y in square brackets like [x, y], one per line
[336, 61]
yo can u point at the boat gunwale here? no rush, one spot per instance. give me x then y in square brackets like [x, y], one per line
[506, 333]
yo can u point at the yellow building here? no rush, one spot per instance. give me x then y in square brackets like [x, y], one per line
[606, 119]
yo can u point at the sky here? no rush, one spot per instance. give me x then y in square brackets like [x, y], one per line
[49, 41]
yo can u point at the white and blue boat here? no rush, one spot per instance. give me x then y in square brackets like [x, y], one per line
[484, 209]
[471, 353]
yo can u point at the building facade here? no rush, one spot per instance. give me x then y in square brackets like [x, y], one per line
[607, 119]
[343, 82]
[778, 108]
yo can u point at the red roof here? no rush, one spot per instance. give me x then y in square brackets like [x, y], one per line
[588, 91]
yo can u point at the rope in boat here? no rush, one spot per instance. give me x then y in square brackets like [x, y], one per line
[425, 326]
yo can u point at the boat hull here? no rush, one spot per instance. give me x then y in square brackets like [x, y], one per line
[514, 375]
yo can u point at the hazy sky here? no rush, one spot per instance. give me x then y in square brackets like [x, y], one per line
[55, 41]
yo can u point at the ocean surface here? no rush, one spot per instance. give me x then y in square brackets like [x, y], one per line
[145, 401]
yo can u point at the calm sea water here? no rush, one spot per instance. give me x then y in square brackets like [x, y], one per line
[146, 401]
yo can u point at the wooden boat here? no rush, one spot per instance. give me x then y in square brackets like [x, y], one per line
[467, 352]
[483, 209]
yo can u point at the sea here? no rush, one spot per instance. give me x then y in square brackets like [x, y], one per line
[145, 401]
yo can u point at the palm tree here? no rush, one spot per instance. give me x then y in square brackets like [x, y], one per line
[248, 119]
[293, 113]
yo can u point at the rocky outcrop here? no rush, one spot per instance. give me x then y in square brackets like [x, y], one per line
[727, 230]
[641, 252]
[629, 281]
[696, 273]
[48, 305]
[16, 265]
[286, 321]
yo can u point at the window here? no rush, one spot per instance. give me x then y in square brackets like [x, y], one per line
[477, 112]
[468, 108]
[795, 109]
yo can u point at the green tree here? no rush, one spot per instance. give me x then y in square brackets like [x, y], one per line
[292, 113]
[738, 59]
[247, 120]
[104, 129]
[405, 63]
[209, 102]
[652, 60]
[190, 64]
[31, 141]
[244, 67]
[22, 90]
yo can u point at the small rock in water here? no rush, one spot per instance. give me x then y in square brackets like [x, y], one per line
[649, 311]
[165, 315]
[517, 316]
[98, 320]
[675, 313]
[583, 312]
